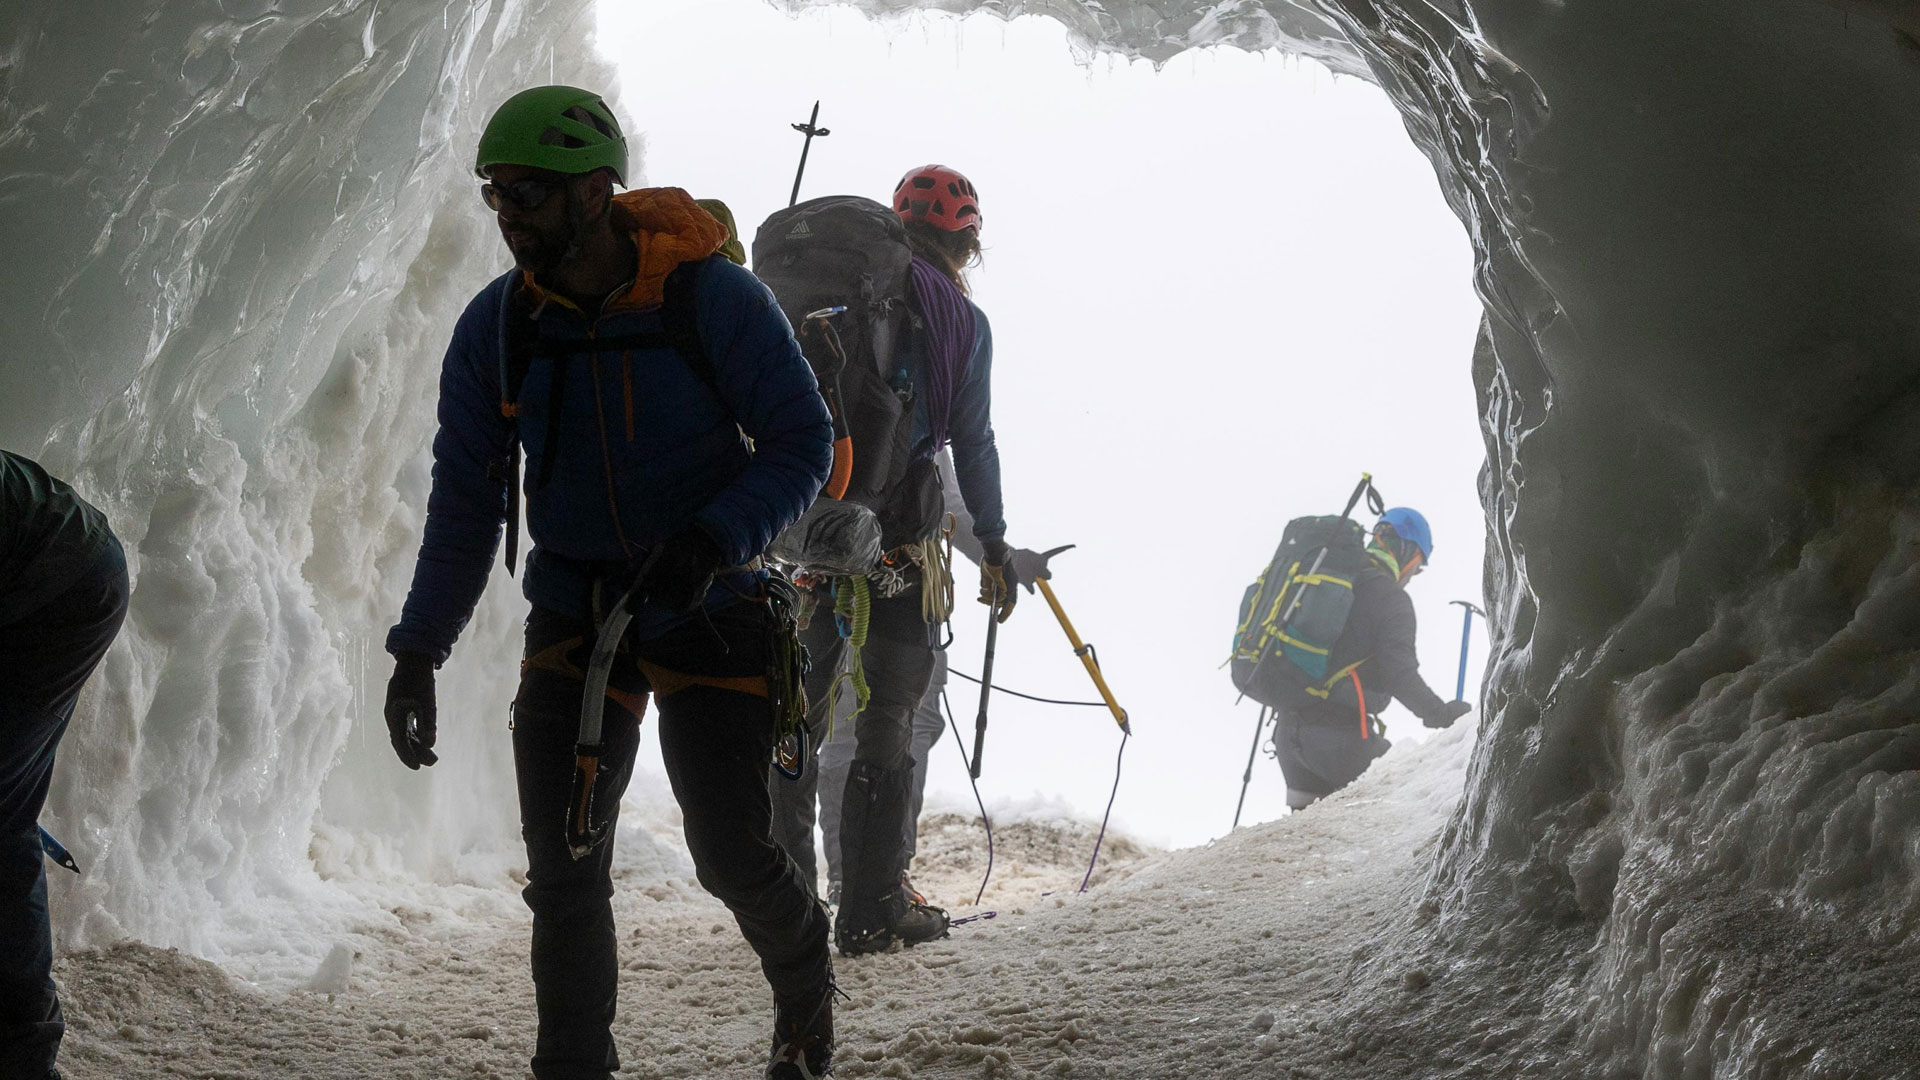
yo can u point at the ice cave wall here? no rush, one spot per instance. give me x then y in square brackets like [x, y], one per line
[235, 233]
[1696, 798]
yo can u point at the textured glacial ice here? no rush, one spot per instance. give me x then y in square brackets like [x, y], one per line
[237, 232]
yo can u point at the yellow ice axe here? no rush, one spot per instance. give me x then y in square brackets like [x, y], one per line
[1086, 655]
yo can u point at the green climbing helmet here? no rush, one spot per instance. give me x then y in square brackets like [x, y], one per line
[561, 128]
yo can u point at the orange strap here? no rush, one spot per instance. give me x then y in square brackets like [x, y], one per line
[666, 681]
[1362, 695]
[842, 474]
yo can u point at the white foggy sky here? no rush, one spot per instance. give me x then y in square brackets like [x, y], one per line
[1218, 292]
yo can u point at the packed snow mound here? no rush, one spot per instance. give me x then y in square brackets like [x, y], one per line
[1228, 960]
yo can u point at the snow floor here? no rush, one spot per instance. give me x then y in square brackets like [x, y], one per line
[1221, 961]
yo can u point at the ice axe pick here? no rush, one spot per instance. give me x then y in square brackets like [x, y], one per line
[1466, 638]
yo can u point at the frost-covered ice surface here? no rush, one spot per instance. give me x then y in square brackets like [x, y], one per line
[236, 235]
[1690, 842]
[1214, 962]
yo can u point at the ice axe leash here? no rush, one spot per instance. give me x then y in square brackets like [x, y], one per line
[1466, 638]
[809, 129]
[1086, 654]
[1091, 659]
[583, 832]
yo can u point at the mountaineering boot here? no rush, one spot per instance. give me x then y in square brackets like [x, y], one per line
[913, 895]
[803, 1037]
[874, 909]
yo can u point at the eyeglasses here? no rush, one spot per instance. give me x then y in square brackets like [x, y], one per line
[521, 194]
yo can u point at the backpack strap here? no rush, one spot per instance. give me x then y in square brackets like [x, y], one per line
[520, 343]
[518, 333]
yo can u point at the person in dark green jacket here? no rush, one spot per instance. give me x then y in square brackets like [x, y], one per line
[63, 596]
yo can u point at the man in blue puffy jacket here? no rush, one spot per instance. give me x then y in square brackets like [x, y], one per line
[632, 365]
[63, 596]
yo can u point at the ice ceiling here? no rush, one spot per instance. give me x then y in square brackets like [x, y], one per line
[1691, 838]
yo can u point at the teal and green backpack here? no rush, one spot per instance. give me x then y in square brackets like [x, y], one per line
[1294, 612]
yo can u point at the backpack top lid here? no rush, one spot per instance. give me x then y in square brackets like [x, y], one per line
[837, 249]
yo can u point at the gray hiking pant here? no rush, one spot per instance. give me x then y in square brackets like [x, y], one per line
[898, 661]
[836, 758]
[1321, 750]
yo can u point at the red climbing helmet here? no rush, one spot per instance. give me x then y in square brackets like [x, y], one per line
[939, 196]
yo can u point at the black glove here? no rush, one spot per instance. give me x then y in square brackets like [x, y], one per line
[410, 710]
[1030, 566]
[1453, 710]
[678, 573]
[998, 576]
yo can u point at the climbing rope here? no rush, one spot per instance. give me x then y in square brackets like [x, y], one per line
[961, 744]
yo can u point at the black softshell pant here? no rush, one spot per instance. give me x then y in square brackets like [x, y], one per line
[898, 662]
[45, 658]
[716, 743]
[1321, 748]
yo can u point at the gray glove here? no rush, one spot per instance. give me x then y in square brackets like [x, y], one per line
[1030, 565]
[1453, 710]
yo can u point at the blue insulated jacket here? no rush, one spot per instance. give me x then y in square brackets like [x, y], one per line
[645, 447]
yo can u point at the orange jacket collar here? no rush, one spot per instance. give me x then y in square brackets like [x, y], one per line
[668, 228]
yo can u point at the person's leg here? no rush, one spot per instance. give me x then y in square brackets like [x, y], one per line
[575, 966]
[899, 665]
[48, 657]
[1321, 751]
[794, 799]
[715, 742]
[929, 722]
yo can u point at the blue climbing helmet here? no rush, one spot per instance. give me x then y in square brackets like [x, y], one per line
[1408, 524]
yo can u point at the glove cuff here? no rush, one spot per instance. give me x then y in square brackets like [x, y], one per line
[995, 551]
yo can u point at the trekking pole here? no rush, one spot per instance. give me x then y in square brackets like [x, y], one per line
[1466, 637]
[1086, 654]
[1247, 777]
[809, 129]
[986, 690]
